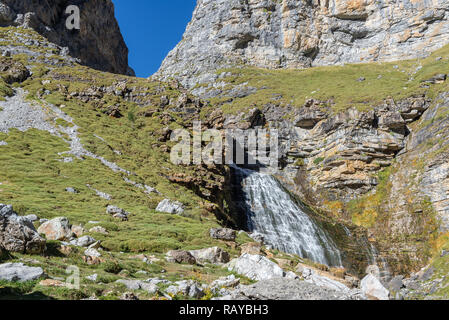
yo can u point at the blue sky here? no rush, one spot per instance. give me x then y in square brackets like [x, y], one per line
[151, 29]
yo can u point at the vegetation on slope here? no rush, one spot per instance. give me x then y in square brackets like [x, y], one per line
[352, 85]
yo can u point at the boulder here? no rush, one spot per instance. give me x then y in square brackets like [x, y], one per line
[99, 229]
[18, 272]
[223, 234]
[32, 218]
[17, 234]
[180, 256]
[93, 277]
[187, 288]
[57, 229]
[84, 241]
[225, 282]
[117, 212]
[211, 255]
[92, 252]
[147, 286]
[256, 267]
[288, 289]
[71, 190]
[396, 284]
[168, 206]
[372, 287]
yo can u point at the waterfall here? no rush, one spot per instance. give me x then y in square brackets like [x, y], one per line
[283, 222]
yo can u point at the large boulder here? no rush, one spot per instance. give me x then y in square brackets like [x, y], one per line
[256, 267]
[223, 234]
[180, 256]
[288, 289]
[372, 287]
[211, 255]
[17, 234]
[19, 272]
[57, 229]
[168, 206]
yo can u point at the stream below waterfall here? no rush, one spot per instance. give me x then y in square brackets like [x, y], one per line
[282, 220]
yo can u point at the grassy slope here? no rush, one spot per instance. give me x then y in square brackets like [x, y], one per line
[337, 83]
[34, 180]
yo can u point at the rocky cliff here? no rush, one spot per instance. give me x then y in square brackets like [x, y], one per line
[297, 34]
[98, 44]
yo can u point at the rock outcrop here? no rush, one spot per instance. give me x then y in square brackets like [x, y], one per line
[296, 34]
[288, 289]
[98, 44]
[20, 272]
[17, 234]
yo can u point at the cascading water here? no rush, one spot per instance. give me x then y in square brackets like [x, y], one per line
[273, 212]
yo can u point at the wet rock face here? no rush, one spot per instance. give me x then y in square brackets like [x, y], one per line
[98, 44]
[294, 34]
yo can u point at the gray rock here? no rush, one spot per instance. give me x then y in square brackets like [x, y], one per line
[211, 255]
[223, 234]
[188, 288]
[180, 256]
[117, 212]
[32, 217]
[71, 190]
[17, 234]
[256, 267]
[288, 289]
[19, 272]
[149, 287]
[92, 252]
[225, 282]
[168, 206]
[84, 241]
[372, 287]
[93, 277]
[396, 284]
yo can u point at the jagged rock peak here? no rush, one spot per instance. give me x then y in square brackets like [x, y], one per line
[98, 44]
[304, 33]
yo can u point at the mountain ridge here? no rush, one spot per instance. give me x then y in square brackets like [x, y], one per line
[300, 34]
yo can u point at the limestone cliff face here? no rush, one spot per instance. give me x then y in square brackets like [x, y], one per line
[297, 33]
[98, 44]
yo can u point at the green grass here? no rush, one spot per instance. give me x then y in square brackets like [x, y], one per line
[337, 85]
